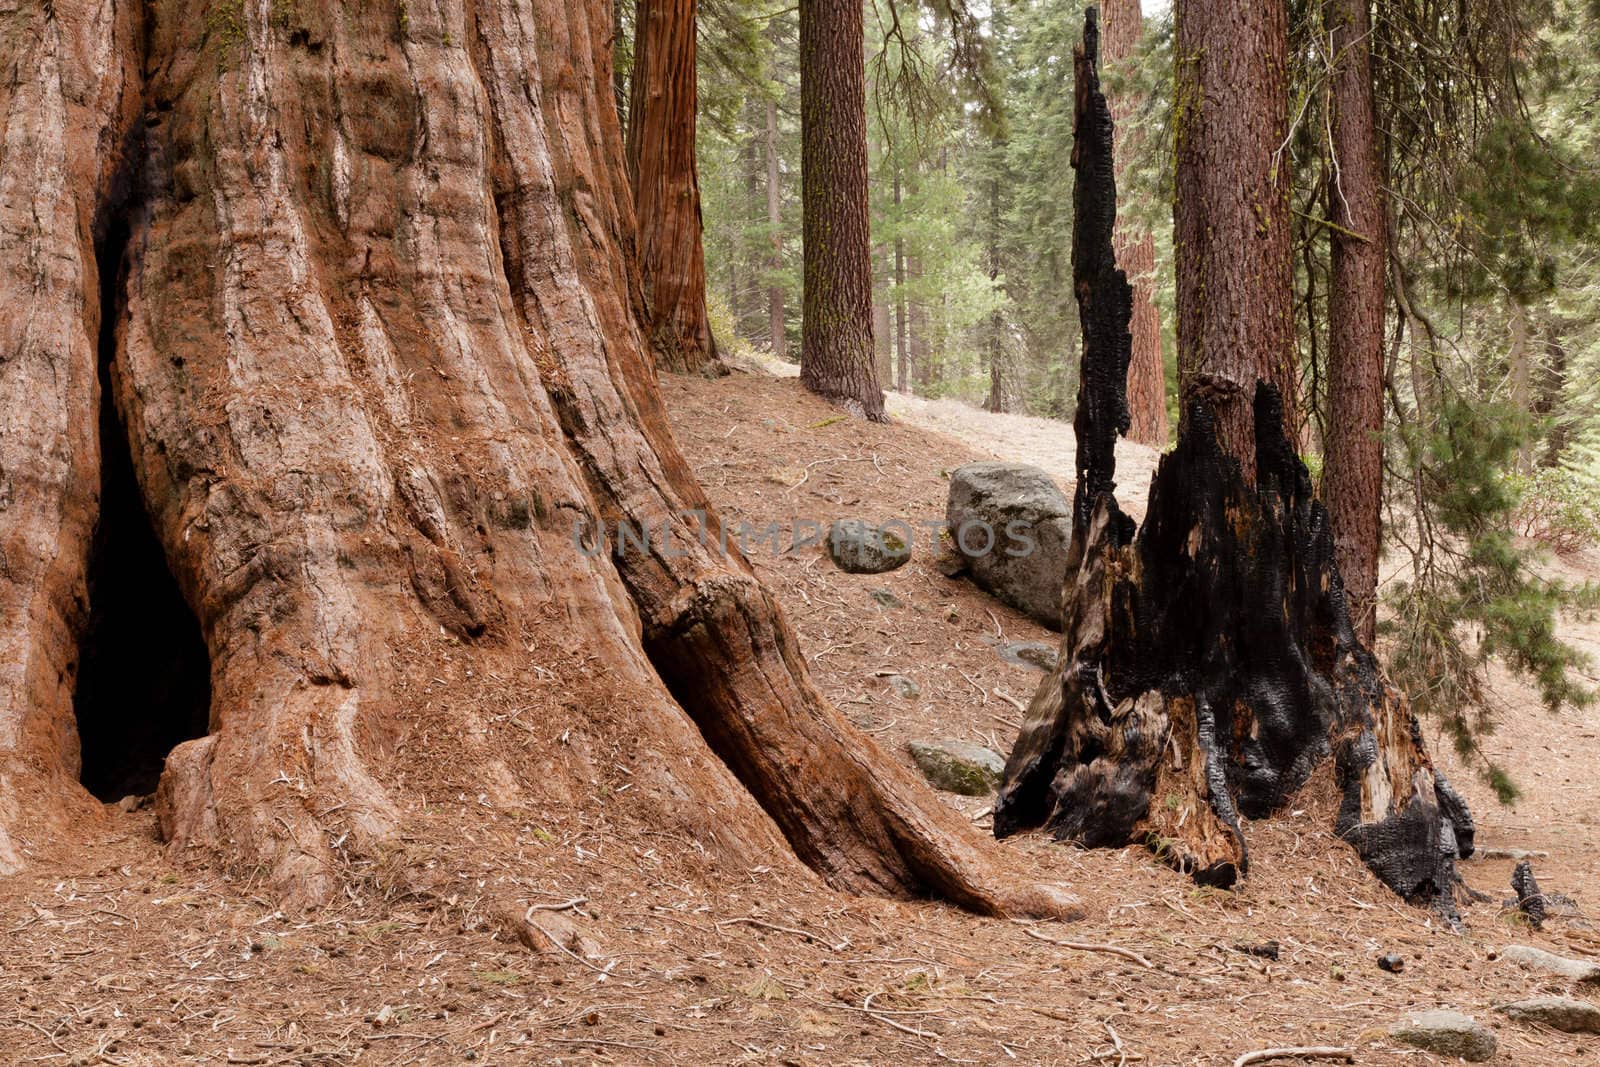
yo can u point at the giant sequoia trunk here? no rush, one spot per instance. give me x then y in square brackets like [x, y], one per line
[374, 346]
[836, 317]
[666, 184]
[1136, 252]
[1231, 219]
[1207, 663]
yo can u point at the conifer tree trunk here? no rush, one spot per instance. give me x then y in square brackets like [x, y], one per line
[918, 346]
[1231, 216]
[997, 361]
[1353, 475]
[836, 328]
[882, 316]
[902, 357]
[1136, 252]
[666, 185]
[370, 326]
[776, 331]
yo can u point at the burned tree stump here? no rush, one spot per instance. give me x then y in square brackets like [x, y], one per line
[1208, 663]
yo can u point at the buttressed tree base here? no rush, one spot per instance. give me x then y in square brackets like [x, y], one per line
[362, 295]
[1208, 665]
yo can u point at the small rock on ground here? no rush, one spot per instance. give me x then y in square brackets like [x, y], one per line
[905, 688]
[859, 548]
[1493, 852]
[1035, 654]
[884, 598]
[1537, 959]
[1448, 1033]
[958, 767]
[1563, 1013]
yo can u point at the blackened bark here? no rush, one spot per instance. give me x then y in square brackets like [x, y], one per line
[836, 330]
[1136, 251]
[1208, 665]
[666, 185]
[1353, 479]
[1105, 300]
[1231, 217]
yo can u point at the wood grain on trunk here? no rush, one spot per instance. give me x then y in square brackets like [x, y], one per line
[1231, 217]
[836, 358]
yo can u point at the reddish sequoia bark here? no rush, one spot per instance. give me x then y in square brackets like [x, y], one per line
[1231, 217]
[666, 185]
[379, 364]
[1207, 664]
[1136, 252]
[1353, 477]
[836, 328]
[68, 101]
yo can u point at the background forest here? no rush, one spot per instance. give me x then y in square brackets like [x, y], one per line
[1486, 130]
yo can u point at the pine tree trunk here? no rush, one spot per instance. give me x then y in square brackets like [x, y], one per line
[375, 348]
[777, 337]
[1353, 475]
[997, 367]
[882, 320]
[836, 329]
[1231, 217]
[1207, 663]
[918, 349]
[901, 375]
[753, 312]
[1553, 393]
[666, 185]
[1136, 251]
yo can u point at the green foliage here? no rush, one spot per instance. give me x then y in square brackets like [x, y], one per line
[1519, 197]
[1558, 507]
[1474, 594]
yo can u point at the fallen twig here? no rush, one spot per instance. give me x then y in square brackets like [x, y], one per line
[883, 1017]
[1122, 1054]
[1009, 699]
[575, 902]
[805, 935]
[1305, 1052]
[1089, 946]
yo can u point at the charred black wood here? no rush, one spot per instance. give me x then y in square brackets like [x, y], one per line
[1529, 900]
[1208, 665]
[1105, 299]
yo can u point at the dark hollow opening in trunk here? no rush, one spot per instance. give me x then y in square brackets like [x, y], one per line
[144, 675]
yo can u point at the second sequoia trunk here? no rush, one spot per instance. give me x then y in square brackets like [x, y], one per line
[1208, 664]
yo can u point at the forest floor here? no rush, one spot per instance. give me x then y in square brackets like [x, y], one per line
[115, 953]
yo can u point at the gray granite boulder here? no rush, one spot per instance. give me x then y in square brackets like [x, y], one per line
[1010, 526]
[1582, 972]
[1562, 1013]
[958, 767]
[1448, 1033]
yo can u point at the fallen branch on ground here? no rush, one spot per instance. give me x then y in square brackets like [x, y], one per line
[1308, 1052]
[1089, 946]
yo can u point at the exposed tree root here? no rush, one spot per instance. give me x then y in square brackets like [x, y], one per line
[377, 355]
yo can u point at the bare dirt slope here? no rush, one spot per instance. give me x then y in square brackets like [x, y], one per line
[117, 953]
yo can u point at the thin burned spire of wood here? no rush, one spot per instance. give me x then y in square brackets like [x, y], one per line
[1208, 665]
[1105, 299]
